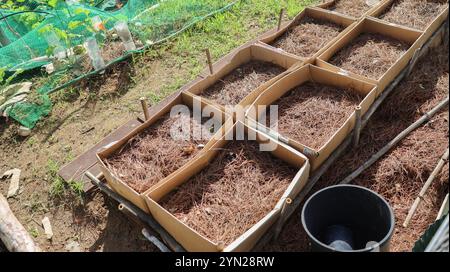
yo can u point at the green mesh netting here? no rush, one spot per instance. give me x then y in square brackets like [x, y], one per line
[30, 36]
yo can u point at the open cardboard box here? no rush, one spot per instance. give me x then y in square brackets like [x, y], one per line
[120, 186]
[189, 238]
[226, 65]
[319, 14]
[328, 5]
[429, 30]
[311, 73]
[371, 25]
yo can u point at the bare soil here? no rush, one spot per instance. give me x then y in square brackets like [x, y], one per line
[156, 153]
[401, 173]
[307, 37]
[370, 55]
[237, 189]
[311, 113]
[234, 87]
[354, 8]
[417, 14]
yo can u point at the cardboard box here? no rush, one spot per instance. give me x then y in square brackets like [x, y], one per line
[328, 5]
[311, 73]
[189, 238]
[226, 65]
[315, 13]
[429, 30]
[115, 182]
[371, 25]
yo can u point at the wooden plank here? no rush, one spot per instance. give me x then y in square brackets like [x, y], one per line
[87, 161]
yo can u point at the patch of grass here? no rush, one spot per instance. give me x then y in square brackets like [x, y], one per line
[58, 186]
[33, 232]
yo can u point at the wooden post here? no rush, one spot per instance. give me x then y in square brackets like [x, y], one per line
[425, 187]
[210, 64]
[356, 135]
[282, 218]
[280, 19]
[12, 233]
[144, 108]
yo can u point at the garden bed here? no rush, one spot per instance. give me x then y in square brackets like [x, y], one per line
[307, 36]
[153, 154]
[417, 14]
[401, 173]
[311, 113]
[370, 55]
[233, 193]
[354, 8]
[234, 87]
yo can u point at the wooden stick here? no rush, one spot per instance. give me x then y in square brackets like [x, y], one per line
[138, 213]
[210, 64]
[12, 233]
[282, 218]
[425, 118]
[357, 131]
[425, 187]
[280, 19]
[145, 108]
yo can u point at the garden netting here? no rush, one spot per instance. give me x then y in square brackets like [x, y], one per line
[34, 34]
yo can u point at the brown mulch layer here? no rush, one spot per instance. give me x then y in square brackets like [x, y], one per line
[307, 36]
[354, 8]
[311, 113]
[400, 174]
[234, 87]
[235, 191]
[414, 13]
[370, 55]
[154, 154]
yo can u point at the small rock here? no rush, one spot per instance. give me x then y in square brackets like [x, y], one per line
[47, 228]
[14, 184]
[24, 131]
[73, 246]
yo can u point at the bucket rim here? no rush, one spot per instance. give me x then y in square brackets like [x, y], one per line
[387, 237]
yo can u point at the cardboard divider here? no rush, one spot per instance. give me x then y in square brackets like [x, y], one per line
[427, 32]
[311, 73]
[226, 65]
[314, 13]
[115, 182]
[189, 238]
[328, 5]
[374, 26]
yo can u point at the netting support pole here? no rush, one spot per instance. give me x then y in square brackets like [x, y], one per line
[208, 57]
[280, 19]
[144, 108]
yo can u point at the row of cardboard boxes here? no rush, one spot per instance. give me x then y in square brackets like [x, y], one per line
[298, 72]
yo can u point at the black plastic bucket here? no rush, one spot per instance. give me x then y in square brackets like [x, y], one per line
[348, 218]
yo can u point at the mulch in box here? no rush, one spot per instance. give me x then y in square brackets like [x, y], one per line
[234, 87]
[233, 193]
[370, 55]
[154, 154]
[417, 14]
[401, 173]
[311, 113]
[354, 8]
[307, 37]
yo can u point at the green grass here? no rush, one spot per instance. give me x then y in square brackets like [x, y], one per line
[220, 33]
[58, 186]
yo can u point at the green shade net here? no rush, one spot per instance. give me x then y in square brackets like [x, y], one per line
[32, 35]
